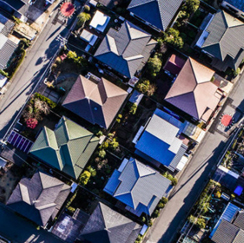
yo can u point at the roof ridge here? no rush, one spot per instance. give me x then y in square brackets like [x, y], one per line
[193, 71]
[139, 4]
[127, 29]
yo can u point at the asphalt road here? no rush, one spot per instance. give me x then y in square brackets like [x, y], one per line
[192, 180]
[21, 230]
[29, 73]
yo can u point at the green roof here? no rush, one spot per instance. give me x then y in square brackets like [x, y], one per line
[67, 148]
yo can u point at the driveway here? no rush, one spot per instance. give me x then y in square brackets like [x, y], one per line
[194, 179]
[19, 230]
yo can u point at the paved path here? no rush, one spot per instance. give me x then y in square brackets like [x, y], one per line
[192, 180]
[20, 230]
[30, 72]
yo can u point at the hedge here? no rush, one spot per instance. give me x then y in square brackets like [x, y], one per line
[47, 100]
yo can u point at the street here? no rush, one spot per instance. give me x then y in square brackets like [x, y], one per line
[29, 73]
[192, 181]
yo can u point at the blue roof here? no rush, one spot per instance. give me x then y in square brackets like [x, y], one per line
[159, 142]
[236, 3]
[137, 186]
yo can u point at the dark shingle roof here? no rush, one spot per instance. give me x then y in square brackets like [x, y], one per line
[125, 50]
[224, 40]
[225, 233]
[157, 12]
[239, 221]
[236, 3]
[96, 102]
[39, 198]
[67, 148]
[107, 226]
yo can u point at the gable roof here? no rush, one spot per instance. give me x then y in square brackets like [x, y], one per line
[163, 11]
[96, 102]
[159, 142]
[193, 92]
[125, 50]
[39, 198]
[137, 186]
[224, 39]
[107, 226]
[67, 148]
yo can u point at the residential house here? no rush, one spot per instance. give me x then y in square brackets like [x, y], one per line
[222, 41]
[161, 141]
[18, 8]
[138, 186]
[39, 198]
[95, 99]
[235, 6]
[174, 64]
[193, 92]
[67, 148]
[126, 50]
[8, 43]
[107, 226]
[230, 226]
[158, 14]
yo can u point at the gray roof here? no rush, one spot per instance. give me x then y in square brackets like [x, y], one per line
[8, 25]
[39, 198]
[7, 49]
[157, 12]
[224, 40]
[225, 233]
[107, 226]
[139, 185]
[239, 221]
[126, 50]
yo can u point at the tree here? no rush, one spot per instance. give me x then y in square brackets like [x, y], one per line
[113, 144]
[172, 36]
[143, 86]
[154, 65]
[192, 219]
[87, 8]
[201, 223]
[133, 109]
[84, 177]
[192, 5]
[151, 90]
[71, 55]
[82, 18]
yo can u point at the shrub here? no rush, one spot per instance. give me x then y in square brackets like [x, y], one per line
[87, 8]
[218, 194]
[31, 123]
[149, 223]
[161, 205]
[174, 181]
[84, 177]
[114, 144]
[133, 109]
[192, 5]
[201, 223]
[143, 86]
[236, 72]
[71, 55]
[3, 73]
[99, 134]
[45, 99]
[102, 153]
[92, 171]
[156, 213]
[164, 200]
[71, 209]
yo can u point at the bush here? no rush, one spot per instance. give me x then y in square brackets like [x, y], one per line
[133, 109]
[218, 194]
[71, 55]
[3, 73]
[161, 205]
[156, 213]
[192, 5]
[164, 200]
[172, 36]
[84, 177]
[174, 181]
[149, 223]
[92, 171]
[31, 123]
[102, 153]
[201, 223]
[236, 72]
[87, 8]
[143, 86]
[71, 209]
[99, 134]
[51, 104]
